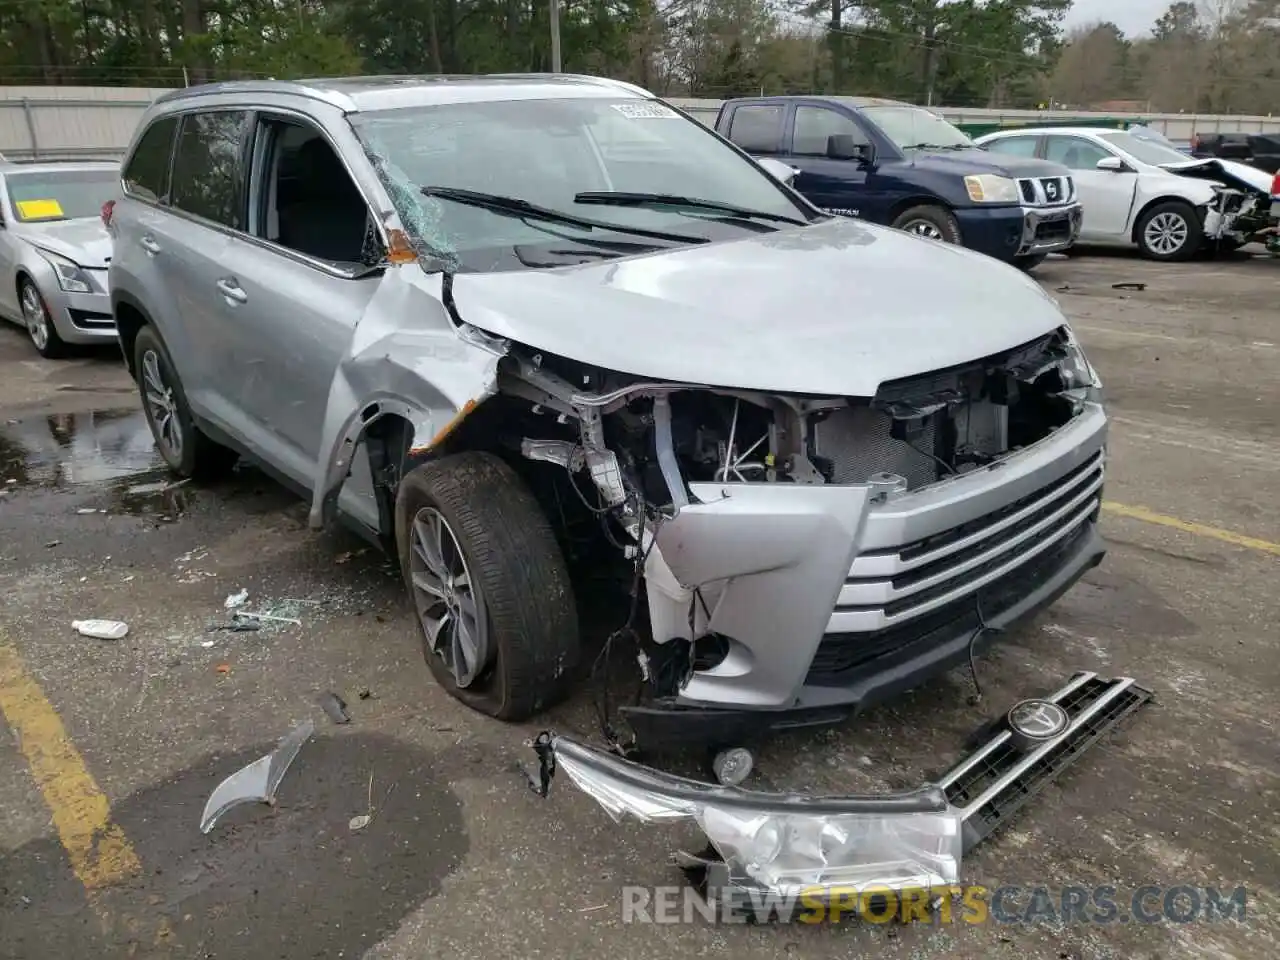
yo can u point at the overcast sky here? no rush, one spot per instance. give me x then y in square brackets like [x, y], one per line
[1134, 17]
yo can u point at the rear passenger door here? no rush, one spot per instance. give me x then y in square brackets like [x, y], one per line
[836, 186]
[207, 197]
[757, 127]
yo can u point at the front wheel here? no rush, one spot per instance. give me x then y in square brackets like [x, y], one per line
[488, 583]
[35, 313]
[927, 220]
[1169, 231]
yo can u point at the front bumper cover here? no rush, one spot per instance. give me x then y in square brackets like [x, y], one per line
[765, 846]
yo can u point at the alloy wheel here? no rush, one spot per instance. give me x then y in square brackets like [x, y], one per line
[446, 598]
[923, 228]
[1166, 233]
[36, 317]
[162, 407]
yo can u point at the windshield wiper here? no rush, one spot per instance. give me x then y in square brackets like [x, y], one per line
[618, 198]
[522, 209]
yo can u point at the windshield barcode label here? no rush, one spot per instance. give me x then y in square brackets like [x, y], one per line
[644, 111]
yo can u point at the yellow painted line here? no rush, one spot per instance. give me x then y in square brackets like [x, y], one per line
[100, 853]
[1188, 526]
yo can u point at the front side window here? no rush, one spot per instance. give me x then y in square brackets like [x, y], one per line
[1013, 146]
[617, 163]
[1075, 153]
[38, 197]
[1144, 151]
[913, 128]
[208, 167]
[814, 125]
[146, 173]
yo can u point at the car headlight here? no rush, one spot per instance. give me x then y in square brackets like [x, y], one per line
[1079, 378]
[790, 844]
[71, 277]
[989, 188]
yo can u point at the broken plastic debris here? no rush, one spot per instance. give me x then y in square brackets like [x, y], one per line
[1129, 285]
[101, 629]
[236, 599]
[84, 510]
[360, 822]
[252, 615]
[257, 782]
[335, 707]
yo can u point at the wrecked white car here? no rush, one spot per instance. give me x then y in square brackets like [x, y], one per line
[1137, 191]
[538, 335]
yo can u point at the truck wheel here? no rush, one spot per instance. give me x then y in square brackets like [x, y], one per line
[930, 221]
[1029, 262]
[488, 583]
[187, 451]
[1169, 231]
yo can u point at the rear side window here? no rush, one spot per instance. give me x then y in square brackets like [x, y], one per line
[1014, 146]
[208, 167]
[147, 172]
[757, 129]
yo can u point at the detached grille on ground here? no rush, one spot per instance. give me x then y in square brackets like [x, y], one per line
[994, 782]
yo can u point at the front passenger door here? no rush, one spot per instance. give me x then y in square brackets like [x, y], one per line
[835, 186]
[1106, 196]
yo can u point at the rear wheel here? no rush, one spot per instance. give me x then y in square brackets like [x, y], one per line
[187, 451]
[39, 323]
[1169, 231]
[488, 583]
[927, 220]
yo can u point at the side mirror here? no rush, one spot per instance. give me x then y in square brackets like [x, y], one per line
[1114, 164]
[842, 146]
[780, 171]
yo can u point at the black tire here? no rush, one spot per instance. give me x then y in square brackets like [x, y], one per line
[522, 599]
[196, 455]
[1029, 262]
[44, 337]
[928, 220]
[1170, 212]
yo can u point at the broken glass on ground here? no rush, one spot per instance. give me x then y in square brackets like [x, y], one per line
[257, 782]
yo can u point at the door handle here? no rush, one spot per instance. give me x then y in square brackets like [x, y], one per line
[232, 290]
[149, 244]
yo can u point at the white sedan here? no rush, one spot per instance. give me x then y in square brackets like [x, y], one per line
[1138, 191]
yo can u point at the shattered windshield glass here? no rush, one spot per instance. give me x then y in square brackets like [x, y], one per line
[551, 153]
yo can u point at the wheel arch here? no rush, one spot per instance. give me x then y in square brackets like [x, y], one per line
[130, 317]
[918, 200]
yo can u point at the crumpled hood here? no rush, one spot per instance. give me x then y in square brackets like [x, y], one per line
[835, 309]
[1230, 172]
[964, 162]
[84, 240]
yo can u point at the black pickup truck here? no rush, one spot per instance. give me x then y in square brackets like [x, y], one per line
[903, 166]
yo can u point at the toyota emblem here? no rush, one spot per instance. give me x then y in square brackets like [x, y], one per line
[1032, 722]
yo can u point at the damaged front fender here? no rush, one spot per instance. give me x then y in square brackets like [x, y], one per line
[408, 359]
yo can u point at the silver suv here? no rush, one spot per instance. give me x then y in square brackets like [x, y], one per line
[544, 337]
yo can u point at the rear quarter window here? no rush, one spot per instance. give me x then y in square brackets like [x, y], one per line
[146, 172]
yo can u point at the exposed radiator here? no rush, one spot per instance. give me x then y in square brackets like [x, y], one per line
[858, 443]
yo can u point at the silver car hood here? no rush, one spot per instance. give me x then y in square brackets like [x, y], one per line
[84, 240]
[1230, 172]
[835, 309]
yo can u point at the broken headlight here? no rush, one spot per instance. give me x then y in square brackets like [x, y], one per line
[787, 843]
[1079, 379]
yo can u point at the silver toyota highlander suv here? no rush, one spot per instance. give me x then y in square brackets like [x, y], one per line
[539, 335]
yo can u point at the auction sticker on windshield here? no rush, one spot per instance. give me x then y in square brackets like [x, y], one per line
[644, 111]
[39, 209]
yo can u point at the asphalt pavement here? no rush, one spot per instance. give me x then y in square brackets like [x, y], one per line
[109, 749]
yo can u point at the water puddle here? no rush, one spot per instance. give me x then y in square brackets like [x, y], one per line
[101, 448]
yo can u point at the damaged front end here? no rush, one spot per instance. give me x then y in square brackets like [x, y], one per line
[802, 556]
[1240, 209]
[766, 848]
